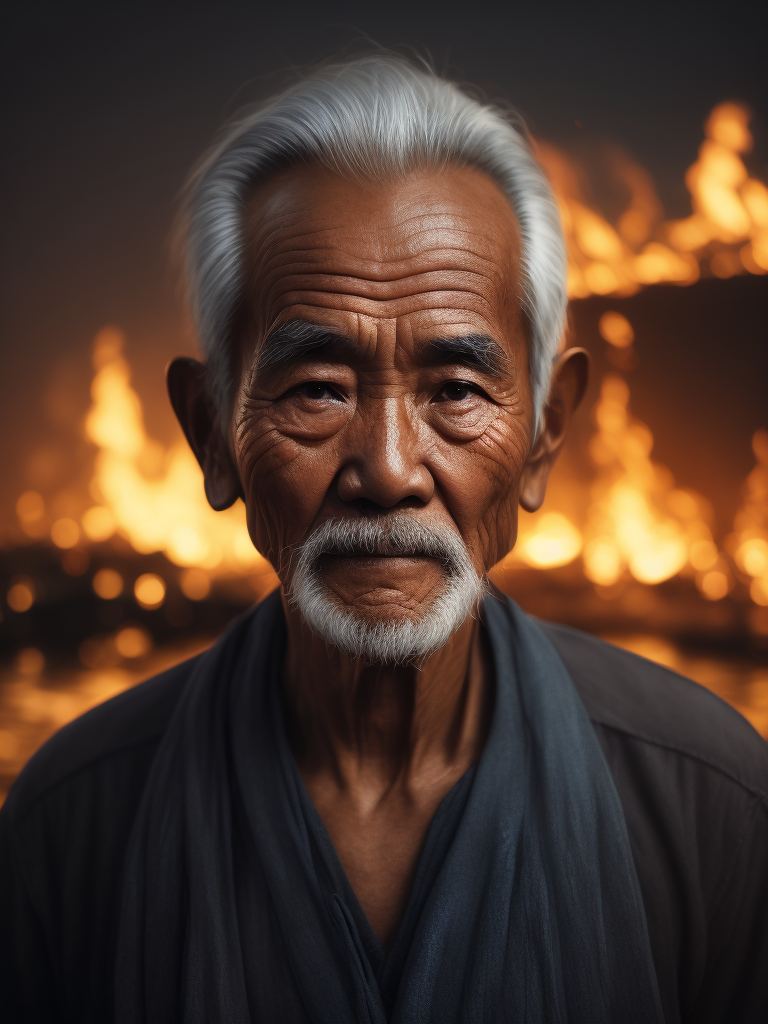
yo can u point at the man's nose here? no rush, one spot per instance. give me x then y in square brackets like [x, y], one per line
[385, 464]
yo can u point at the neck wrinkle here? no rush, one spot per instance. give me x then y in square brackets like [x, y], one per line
[380, 726]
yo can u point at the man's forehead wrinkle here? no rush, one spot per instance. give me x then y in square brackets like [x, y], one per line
[467, 301]
[433, 270]
[459, 247]
[453, 241]
[329, 245]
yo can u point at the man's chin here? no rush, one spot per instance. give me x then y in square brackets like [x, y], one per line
[380, 607]
[386, 627]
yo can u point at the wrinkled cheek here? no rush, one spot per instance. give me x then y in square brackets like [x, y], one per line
[284, 487]
[503, 531]
[490, 507]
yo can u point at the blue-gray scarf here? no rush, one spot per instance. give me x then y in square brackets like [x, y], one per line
[228, 918]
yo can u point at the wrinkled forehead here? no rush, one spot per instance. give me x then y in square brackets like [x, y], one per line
[429, 245]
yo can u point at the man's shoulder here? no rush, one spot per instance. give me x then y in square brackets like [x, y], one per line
[120, 727]
[647, 702]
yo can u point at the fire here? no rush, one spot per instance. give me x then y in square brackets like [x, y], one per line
[149, 494]
[749, 542]
[637, 519]
[726, 234]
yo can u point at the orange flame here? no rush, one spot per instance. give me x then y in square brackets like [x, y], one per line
[149, 494]
[727, 230]
[637, 521]
[749, 541]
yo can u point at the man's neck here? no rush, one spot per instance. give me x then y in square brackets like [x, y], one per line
[379, 747]
[372, 727]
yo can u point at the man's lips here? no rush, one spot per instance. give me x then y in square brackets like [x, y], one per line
[363, 556]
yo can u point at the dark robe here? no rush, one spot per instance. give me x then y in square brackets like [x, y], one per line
[690, 774]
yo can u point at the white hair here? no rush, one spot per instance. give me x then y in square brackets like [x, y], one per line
[371, 117]
[399, 641]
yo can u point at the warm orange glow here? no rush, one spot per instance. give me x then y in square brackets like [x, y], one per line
[728, 124]
[637, 520]
[133, 642]
[555, 541]
[602, 561]
[195, 584]
[30, 508]
[98, 523]
[729, 209]
[108, 584]
[748, 544]
[30, 661]
[703, 554]
[752, 556]
[616, 329]
[714, 585]
[151, 495]
[21, 595]
[759, 251]
[65, 533]
[726, 264]
[149, 590]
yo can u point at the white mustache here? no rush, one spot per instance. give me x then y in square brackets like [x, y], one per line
[394, 536]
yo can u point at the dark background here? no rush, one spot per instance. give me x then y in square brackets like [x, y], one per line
[106, 108]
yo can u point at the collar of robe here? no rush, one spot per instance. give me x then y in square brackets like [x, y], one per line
[535, 915]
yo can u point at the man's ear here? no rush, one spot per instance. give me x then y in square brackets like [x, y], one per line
[569, 382]
[186, 379]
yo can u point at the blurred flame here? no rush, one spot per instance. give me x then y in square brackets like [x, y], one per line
[149, 494]
[729, 210]
[749, 542]
[555, 541]
[638, 522]
[637, 519]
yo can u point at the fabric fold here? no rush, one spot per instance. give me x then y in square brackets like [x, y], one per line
[535, 914]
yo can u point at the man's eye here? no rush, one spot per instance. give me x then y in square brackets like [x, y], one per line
[317, 390]
[457, 391]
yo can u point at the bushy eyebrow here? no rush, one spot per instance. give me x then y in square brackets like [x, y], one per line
[296, 339]
[475, 351]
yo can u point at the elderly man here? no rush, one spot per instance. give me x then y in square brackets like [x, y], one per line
[386, 793]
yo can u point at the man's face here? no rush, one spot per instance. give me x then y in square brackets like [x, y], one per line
[384, 370]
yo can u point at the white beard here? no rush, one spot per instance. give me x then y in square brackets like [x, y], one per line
[385, 642]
